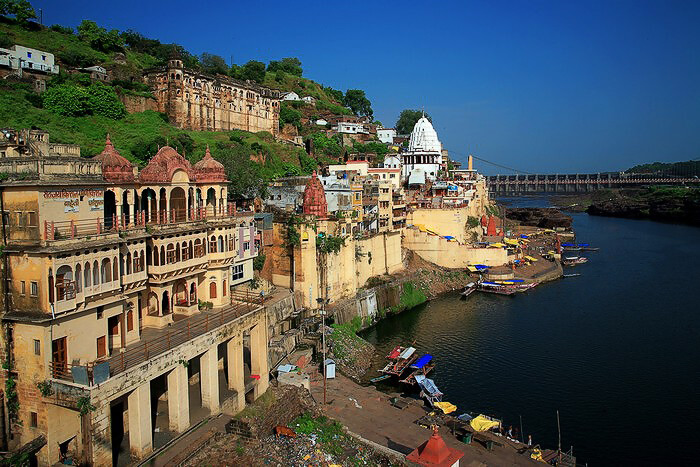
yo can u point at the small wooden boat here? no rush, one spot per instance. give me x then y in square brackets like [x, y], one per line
[589, 248]
[468, 290]
[379, 378]
[420, 367]
[493, 287]
[571, 275]
[573, 260]
[398, 365]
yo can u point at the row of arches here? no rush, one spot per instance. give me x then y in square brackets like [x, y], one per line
[69, 282]
[174, 205]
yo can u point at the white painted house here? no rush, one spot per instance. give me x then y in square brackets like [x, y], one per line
[309, 99]
[386, 135]
[351, 128]
[290, 96]
[321, 122]
[19, 57]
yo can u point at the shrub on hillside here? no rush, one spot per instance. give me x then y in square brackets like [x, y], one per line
[290, 115]
[62, 29]
[74, 101]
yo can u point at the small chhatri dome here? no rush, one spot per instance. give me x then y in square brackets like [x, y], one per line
[315, 198]
[162, 166]
[435, 452]
[209, 169]
[424, 138]
[115, 168]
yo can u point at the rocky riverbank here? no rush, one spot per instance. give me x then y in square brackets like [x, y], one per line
[667, 204]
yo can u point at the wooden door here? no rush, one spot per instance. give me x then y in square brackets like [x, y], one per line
[59, 357]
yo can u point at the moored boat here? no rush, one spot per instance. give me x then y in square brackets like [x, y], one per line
[469, 289]
[573, 260]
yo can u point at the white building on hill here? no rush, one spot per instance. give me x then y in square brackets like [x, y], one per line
[423, 159]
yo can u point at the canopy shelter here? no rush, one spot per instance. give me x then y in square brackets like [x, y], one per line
[483, 423]
[530, 258]
[422, 361]
[446, 407]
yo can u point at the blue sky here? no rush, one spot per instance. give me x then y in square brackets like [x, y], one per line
[540, 86]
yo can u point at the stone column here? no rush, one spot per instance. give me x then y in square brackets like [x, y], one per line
[209, 379]
[258, 357]
[140, 429]
[178, 399]
[235, 376]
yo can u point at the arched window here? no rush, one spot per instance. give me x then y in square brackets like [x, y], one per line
[163, 260]
[212, 290]
[78, 279]
[51, 286]
[95, 273]
[212, 244]
[88, 275]
[177, 252]
[223, 292]
[170, 254]
[128, 263]
[106, 272]
[115, 269]
[221, 244]
[191, 250]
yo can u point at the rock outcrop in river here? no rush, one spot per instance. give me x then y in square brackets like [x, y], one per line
[546, 218]
[670, 204]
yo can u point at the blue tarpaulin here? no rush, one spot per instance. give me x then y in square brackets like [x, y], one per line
[481, 266]
[449, 237]
[523, 236]
[568, 244]
[424, 360]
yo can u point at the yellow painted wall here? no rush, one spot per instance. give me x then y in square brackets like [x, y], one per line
[442, 221]
[439, 251]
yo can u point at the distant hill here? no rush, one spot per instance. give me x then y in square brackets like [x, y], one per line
[682, 169]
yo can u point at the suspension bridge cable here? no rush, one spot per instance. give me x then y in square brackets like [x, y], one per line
[495, 164]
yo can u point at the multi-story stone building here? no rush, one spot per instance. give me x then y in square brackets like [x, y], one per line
[119, 299]
[196, 101]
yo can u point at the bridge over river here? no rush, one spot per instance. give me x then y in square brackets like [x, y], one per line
[573, 183]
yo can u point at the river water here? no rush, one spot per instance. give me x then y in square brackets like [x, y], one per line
[615, 350]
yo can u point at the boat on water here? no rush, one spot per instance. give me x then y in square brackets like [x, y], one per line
[469, 289]
[379, 378]
[589, 248]
[571, 275]
[573, 260]
[518, 285]
[495, 288]
[399, 360]
[420, 367]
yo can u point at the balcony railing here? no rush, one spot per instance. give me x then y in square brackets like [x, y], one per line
[81, 229]
[175, 335]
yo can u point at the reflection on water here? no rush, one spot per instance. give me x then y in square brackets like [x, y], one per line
[616, 350]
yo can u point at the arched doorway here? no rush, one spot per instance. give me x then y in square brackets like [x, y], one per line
[153, 304]
[193, 293]
[163, 206]
[148, 203]
[125, 206]
[110, 209]
[181, 298]
[178, 204]
[165, 304]
[211, 201]
[212, 290]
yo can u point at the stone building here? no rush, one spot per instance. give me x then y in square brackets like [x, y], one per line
[119, 299]
[196, 101]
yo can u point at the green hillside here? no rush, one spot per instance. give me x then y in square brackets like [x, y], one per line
[74, 110]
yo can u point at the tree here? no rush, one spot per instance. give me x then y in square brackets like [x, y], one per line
[407, 120]
[334, 94]
[22, 10]
[99, 38]
[290, 115]
[214, 64]
[254, 71]
[356, 100]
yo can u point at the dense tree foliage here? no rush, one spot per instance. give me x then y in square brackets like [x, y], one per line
[680, 169]
[334, 94]
[138, 43]
[323, 145]
[22, 10]
[356, 100]
[288, 114]
[407, 120]
[71, 100]
[254, 71]
[291, 65]
[214, 64]
[99, 38]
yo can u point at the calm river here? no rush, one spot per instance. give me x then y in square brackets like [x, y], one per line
[615, 350]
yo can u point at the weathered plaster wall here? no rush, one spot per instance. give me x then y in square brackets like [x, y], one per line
[439, 251]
